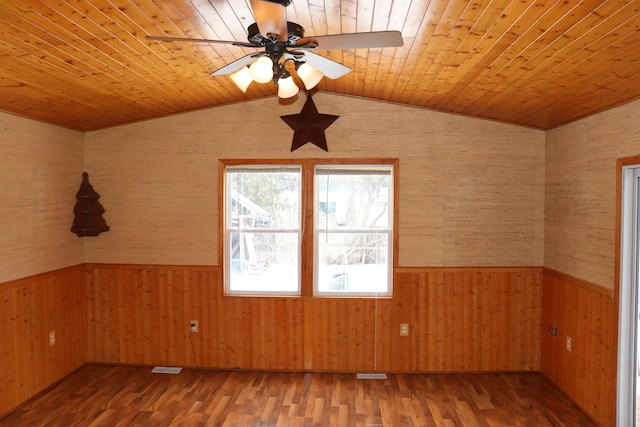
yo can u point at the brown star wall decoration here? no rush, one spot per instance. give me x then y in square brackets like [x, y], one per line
[309, 126]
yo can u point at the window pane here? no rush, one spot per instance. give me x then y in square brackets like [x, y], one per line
[353, 198]
[263, 229]
[353, 263]
[264, 262]
[263, 197]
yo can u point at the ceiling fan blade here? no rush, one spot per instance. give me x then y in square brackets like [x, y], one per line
[374, 39]
[236, 65]
[190, 40]
[329, 68]
[271, 18]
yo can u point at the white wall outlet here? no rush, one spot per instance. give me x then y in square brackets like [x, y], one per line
[568, 343]
[404, 329]
[193, 326]
[52, 338]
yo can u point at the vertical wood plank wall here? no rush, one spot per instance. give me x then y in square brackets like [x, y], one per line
[586, 313]
[29, 309]
[460, 319]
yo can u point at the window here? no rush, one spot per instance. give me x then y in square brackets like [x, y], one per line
[263, 229]
[353, 229]
[311, 227]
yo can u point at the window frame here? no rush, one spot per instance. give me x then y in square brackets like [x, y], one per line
[307, 235]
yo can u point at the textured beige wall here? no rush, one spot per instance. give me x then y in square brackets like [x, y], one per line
[471, 191]
[40, 173]
[580, 215]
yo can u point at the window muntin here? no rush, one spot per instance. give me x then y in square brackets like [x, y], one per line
[353, 230]
[263, 229]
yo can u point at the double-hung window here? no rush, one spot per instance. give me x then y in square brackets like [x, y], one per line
[263, 232]
[353, 229]
[309, 227]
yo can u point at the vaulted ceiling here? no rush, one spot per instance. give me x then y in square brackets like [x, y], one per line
[86, 65]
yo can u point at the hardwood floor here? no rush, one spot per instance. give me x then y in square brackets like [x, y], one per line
[98, 395]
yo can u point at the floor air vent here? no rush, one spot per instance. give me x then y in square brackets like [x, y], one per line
[371, 376]
[165, 370]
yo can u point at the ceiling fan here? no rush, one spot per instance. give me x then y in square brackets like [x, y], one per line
[284, 42]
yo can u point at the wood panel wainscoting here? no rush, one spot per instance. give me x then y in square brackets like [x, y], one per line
[460, 319]
[30, 309]
[585, 312]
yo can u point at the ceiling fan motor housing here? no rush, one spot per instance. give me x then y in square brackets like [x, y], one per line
[282, 2]
[294, 33]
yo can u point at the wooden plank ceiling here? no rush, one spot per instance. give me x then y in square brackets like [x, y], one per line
[85, 64]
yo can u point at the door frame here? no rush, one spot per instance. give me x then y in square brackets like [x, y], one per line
[626, 327]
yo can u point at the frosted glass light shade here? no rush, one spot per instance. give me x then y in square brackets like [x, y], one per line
[309, 75]
[242, 78]
[287, 88]
[262, 70]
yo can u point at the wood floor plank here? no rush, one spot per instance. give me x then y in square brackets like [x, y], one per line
[102, 395]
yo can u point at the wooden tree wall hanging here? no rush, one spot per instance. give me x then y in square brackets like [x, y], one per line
[88, 220]
[309, 126]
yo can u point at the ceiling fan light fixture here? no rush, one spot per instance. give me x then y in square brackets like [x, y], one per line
[287, 88]
[309, 75]
[262, 70]
[242, 78]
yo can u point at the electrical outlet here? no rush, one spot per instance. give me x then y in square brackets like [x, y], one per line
[52, 338]
[404, 329]
[568, 343]
[193, 326]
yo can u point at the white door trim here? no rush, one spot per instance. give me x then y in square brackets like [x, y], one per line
[628, 303]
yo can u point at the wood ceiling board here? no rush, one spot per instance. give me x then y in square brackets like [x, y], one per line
[537, 64]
